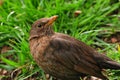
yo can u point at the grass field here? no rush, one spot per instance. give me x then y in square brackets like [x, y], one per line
[98, 25]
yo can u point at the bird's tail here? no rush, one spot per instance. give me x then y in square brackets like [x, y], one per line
[110, 65]
[107, 63]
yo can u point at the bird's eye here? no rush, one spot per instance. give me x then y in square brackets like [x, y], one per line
[40, 25]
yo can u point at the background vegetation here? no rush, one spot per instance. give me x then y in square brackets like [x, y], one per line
[97, 25]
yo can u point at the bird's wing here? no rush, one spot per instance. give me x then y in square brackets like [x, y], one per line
[75, 55]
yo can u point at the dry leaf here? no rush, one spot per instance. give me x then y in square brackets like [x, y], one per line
[114, 40]
[118, 47]
[77, 13]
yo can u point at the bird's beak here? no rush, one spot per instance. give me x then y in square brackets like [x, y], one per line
[51, 20]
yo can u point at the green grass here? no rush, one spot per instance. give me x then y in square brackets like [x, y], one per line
[17, 16]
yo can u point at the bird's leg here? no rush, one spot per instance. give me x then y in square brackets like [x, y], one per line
[48, 77]
[91, 78]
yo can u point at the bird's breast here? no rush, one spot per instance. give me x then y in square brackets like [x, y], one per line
[37, 48]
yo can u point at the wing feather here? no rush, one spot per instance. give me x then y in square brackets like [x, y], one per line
[75, 55]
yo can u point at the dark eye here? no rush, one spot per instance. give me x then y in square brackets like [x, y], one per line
[40, 25]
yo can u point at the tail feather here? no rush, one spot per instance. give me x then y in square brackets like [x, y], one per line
[107, 63]
[111, 65]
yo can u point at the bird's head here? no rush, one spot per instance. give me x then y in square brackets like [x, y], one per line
[42, 27]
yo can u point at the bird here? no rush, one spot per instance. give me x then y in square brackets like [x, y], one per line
[63, 56]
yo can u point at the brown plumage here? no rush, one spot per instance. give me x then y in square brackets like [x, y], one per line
[65, 57]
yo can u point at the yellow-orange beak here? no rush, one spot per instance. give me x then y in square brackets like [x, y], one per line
[51, 20]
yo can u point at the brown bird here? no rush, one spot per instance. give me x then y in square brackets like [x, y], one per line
[65, 57]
